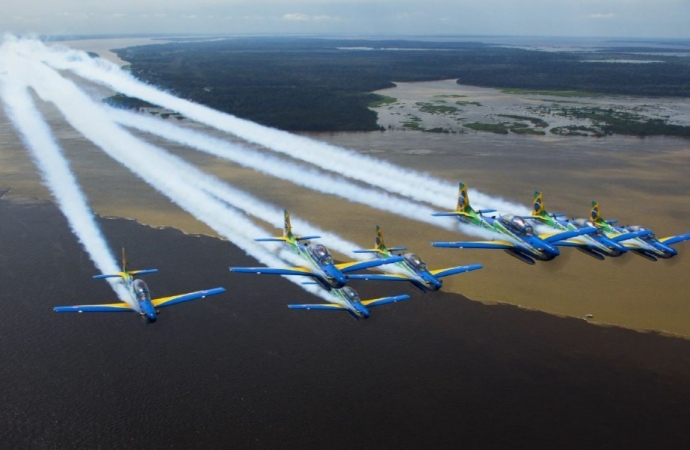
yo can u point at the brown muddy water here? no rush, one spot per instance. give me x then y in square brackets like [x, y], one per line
[638, 181]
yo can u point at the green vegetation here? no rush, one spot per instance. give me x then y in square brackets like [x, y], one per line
[465, 103]
[382, 100]
[536, 121]
[436, 109]
[499, 128]
[504, 128]
[311, 84]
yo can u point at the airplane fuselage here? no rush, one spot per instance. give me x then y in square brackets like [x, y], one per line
[349, 299]
[598, 244]
[527, 247]
[141, 299]
[422, 279]
[321, 263]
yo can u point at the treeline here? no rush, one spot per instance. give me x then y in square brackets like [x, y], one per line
[325, 85]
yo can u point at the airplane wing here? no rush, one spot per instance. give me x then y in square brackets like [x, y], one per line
[675, 239]
[358, 265]
[383, 300]
[112, 307]
[379, 276]
[478, 244]
[173, 300]
[631, 235]
[439, 273]
[303, 271]
[326, 306]
[553, 238]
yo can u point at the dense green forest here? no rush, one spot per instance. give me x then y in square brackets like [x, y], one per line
[325, 84]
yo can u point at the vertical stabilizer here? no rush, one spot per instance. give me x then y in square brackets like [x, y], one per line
[463, 205]
[287, 230]
[124, 261]
[380, 246]
[538, 204]
[595, 214]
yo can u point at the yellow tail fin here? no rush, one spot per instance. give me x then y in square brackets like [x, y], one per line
[538, 204]
[463, 200]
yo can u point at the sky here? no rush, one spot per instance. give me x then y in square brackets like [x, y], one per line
[580, 18]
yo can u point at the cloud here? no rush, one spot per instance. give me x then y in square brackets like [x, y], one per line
[602, 16]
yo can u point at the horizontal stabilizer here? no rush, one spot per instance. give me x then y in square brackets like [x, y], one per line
[175, 299]
[675, 239]
[440, 273]
[631, 235]
[503, 245]
[306, 238]
[273, 239]
[379, 276]
[552, 238]
[113, 307]
[376, 250]
[486, 211]
[358, 265]
[382, 301]
[327, 306]
[143, 272]
[302, 271]
[110, 275]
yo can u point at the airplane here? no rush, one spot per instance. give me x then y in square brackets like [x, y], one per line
[347, 299]
[520, 242]
[596, 244]
[645, 243]
[321, 267]
[412, 268]
[140, 297]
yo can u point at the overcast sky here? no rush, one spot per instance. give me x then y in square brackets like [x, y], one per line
[599, 18]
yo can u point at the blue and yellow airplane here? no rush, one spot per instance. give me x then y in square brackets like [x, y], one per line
[140, 297]
[642, 242]
[412, 268]
[321, 266]
[347, 299]
[596, 244]
[520, 242]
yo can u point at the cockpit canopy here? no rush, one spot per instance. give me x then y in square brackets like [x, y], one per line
[517, 224]
[141, 290]
[636, 228]
[351, 294]
[415, 261]
[320, 254]
[586, 223]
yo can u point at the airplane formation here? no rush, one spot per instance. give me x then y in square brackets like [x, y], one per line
[515, 235]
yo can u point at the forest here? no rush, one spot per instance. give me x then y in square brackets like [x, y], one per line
[310, 84]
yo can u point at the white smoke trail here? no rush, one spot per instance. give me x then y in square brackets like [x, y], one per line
[57, 176]
[92, 122]
[406, 182]
[280, 168]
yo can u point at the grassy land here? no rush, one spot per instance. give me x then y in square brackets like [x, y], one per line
[534, 120]
[467, 103]
[312, 85]
[382, 101]
[436, 109]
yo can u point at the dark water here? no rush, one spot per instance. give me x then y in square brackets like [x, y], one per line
[240, 370]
